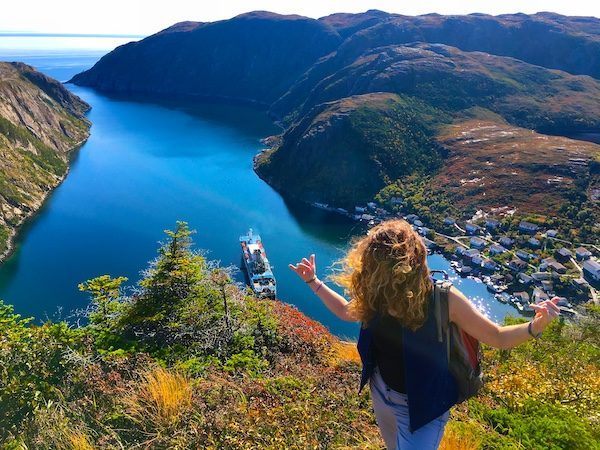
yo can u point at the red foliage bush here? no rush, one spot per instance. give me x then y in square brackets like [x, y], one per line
[301, 335]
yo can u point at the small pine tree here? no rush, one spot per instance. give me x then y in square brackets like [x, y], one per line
[105, 292]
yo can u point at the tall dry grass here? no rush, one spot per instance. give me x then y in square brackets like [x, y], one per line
[460, 438]
[343, 352]
[55, 430]
[78, 440]
[161, 398]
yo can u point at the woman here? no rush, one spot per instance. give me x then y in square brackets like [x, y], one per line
[386, 276]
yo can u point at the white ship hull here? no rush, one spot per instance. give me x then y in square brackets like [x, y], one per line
[257, 266]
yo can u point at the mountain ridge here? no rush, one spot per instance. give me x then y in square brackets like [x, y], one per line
[534, 72]
[41, 124]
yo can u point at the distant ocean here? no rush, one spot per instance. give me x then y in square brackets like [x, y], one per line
[60, 56]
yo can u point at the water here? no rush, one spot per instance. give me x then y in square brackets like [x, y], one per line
[147, 165]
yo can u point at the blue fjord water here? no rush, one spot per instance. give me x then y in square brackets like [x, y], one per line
[149, 164]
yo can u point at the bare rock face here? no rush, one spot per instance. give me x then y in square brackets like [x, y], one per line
[41, 123]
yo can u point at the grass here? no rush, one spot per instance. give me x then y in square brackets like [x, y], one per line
[162, 397]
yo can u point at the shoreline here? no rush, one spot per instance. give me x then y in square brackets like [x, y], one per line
[16, 230]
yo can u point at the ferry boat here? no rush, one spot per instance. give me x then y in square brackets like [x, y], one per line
[257, 267]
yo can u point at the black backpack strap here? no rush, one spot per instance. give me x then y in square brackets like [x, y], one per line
[441, 292]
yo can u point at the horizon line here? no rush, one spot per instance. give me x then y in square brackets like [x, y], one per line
[99, 35]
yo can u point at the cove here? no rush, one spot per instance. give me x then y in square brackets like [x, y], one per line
[147, 165]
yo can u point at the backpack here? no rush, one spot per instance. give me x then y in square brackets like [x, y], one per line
[463, 350]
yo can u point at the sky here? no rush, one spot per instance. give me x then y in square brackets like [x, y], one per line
[143, 17]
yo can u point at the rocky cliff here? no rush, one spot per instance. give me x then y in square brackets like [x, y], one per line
[41, 123]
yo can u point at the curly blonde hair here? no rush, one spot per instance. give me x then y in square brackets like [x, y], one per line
[386, 272]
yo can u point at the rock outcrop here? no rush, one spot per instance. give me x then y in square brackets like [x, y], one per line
[41, 123]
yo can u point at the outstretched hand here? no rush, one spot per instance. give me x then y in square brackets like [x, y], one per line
[545, 312]
[306, 269]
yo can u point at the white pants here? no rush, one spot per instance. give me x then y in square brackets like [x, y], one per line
[391, 412]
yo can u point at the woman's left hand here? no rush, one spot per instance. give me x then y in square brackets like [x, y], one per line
[545, 312]
[306, 269]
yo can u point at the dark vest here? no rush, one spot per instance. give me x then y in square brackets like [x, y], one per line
[430, 387]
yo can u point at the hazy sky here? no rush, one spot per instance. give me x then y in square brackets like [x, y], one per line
[149, 16]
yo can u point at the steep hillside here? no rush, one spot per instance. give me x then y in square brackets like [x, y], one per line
[449, 78]
[41, 123]
[253, 57]
[346, 150]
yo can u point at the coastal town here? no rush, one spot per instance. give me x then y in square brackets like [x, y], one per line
[520, 263]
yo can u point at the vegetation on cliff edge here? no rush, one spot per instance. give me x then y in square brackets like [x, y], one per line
[189, 359]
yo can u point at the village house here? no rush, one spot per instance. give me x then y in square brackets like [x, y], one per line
[539, 295]
[477, 242]
[541, 276]
[424, 231]
[534, 243]
[552, 233]
[580, 283]
[490, 265]
[466, 270]
[528, 227]
[557, 267]
[468, 255]
[523, 255]
[449, 221]
[497, 278]
[591, 271]
[411, 218]
[582, 253]
[563, 255]
[492, 224]
[496, 249]
[517, 265]
[505, 241]
[544, 263]
[477, 261]
[522, 297]
[524, 279]
[472, 229]
[547, 285]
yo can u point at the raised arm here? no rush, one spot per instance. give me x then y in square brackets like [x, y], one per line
[468, 317]
[338, 305]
